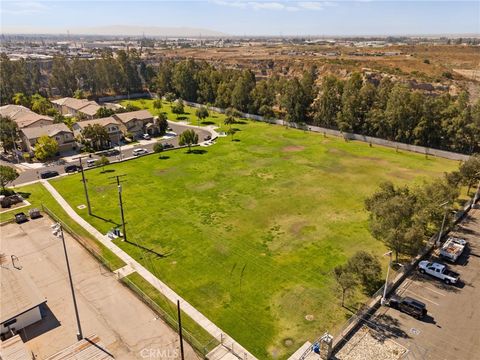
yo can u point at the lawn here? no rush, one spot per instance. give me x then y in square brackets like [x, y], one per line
[249, 230]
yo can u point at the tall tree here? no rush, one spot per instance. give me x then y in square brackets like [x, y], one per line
[8, 133]
[45, 148]
[189, 138]
[7, 175]
[329, 102]
[392, 218]
[183, 80]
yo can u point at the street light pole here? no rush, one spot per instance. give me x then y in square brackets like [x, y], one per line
[58, 232]
[443, 222]
[386, 279]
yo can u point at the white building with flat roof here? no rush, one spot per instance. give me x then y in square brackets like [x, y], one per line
[20, 301]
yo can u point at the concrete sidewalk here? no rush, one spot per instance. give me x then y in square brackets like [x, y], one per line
[198, 317]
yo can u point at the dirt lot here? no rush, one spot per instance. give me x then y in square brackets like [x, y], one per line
[128, 328]
[451, 330]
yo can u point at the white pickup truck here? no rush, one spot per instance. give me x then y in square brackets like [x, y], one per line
[452, 248]
[439, 271]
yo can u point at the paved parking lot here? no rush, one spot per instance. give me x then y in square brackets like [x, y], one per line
[451, 330]
[128, 328]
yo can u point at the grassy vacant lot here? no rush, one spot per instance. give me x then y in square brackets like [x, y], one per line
[250, 230]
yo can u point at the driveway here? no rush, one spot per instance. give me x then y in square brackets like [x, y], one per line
[128, 328]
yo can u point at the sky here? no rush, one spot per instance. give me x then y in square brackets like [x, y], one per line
[244, 17]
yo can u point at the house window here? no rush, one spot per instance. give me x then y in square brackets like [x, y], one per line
[57, 138]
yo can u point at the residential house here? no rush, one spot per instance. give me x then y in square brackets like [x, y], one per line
[24, 117]
[82, 108]
[111, 124]
[60, 132]
[137, 123]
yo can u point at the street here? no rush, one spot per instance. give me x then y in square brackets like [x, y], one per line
[29, 175]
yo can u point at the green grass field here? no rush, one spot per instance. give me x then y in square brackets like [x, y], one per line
[251, 229]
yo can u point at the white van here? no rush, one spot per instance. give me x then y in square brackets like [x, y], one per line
[91, 162]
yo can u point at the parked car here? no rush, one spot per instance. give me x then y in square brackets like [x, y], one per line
[139, 151]
[91, 162]
[49, 174]
[20, 218]
[71, 168]
[206, 138]
[146, 137]
[34, 213]
[439, 271]
[408, 305]
[167, 146]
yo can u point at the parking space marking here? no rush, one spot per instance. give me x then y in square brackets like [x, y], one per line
[424, 298]
[435, 291]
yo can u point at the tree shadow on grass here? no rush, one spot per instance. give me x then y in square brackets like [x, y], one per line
[208, 123]
[107, 171]
[197, 151]
[236, 140]
[24, 195]
[181, 118]
[164, 157]
[240, 122]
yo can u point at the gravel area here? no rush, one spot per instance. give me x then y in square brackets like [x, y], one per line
[367, 344]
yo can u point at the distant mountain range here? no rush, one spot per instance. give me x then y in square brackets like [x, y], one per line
[121, 30]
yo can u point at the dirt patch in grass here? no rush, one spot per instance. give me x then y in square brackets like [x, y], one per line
[293, 148]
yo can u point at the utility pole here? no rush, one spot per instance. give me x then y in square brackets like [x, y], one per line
[119, 186]
[84, 185]
[180, 330]
[58, 232]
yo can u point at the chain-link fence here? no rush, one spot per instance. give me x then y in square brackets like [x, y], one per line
[200, 347]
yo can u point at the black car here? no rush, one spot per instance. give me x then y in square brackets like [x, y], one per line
[48, 174]
[208, 137]
[20, 218]
[71, 168]
[409, 306]
[167, 146]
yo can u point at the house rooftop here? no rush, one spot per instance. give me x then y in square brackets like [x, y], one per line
[21, 115]
[48, 130]
[134, 115]
[90, 348]
[19, 292]
[102, 121]
[76, 104]
[90, 109]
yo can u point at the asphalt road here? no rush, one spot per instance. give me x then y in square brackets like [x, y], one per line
[34, 174]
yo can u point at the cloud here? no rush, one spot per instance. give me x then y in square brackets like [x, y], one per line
[286, 5]
[23, 7]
